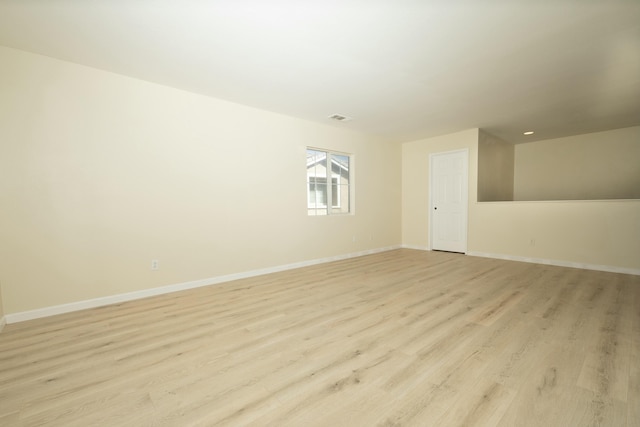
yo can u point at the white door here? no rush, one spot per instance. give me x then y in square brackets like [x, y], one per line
[448, 200]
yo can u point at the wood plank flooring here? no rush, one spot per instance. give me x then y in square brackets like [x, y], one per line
[401, 338]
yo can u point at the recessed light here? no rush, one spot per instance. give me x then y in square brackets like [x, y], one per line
[529, 132]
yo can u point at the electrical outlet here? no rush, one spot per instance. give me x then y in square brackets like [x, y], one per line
[532, 242]
[155, 264]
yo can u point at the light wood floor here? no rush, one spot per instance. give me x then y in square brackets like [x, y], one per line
[402, 338]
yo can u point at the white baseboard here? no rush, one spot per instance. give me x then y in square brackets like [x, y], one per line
[608, 268]
[419, 248]
[3, 322]
[130, 296]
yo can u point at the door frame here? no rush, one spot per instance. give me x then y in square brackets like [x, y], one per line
[465, 195]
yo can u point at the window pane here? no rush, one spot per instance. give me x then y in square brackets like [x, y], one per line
[340, 193]
[316, 182]
[317, 192]
[321, 194]
[343, 197]
[335, 200]
[312, 193]
[343, 162]
[316, 164]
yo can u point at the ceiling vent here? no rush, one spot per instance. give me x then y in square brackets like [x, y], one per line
[340, 118]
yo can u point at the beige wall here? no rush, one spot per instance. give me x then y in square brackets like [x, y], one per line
[415, 182]
[495, 168]
[1, 308]
[588, 233]
[595, 233]
[101, 173]
[602, 165]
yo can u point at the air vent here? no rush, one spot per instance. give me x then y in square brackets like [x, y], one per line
[340, 118]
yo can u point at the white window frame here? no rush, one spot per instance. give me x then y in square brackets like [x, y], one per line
[336, 177]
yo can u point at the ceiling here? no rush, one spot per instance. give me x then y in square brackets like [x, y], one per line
[401, 69]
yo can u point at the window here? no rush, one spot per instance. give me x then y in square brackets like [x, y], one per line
[328, 179]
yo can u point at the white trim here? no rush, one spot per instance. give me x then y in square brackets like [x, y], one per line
[129, 296]
[585, 266]
[416, 247]
[3, 322]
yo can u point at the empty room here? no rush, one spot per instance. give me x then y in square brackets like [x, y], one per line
[299, 213]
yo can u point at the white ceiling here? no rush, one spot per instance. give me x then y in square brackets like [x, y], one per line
[402, 69]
